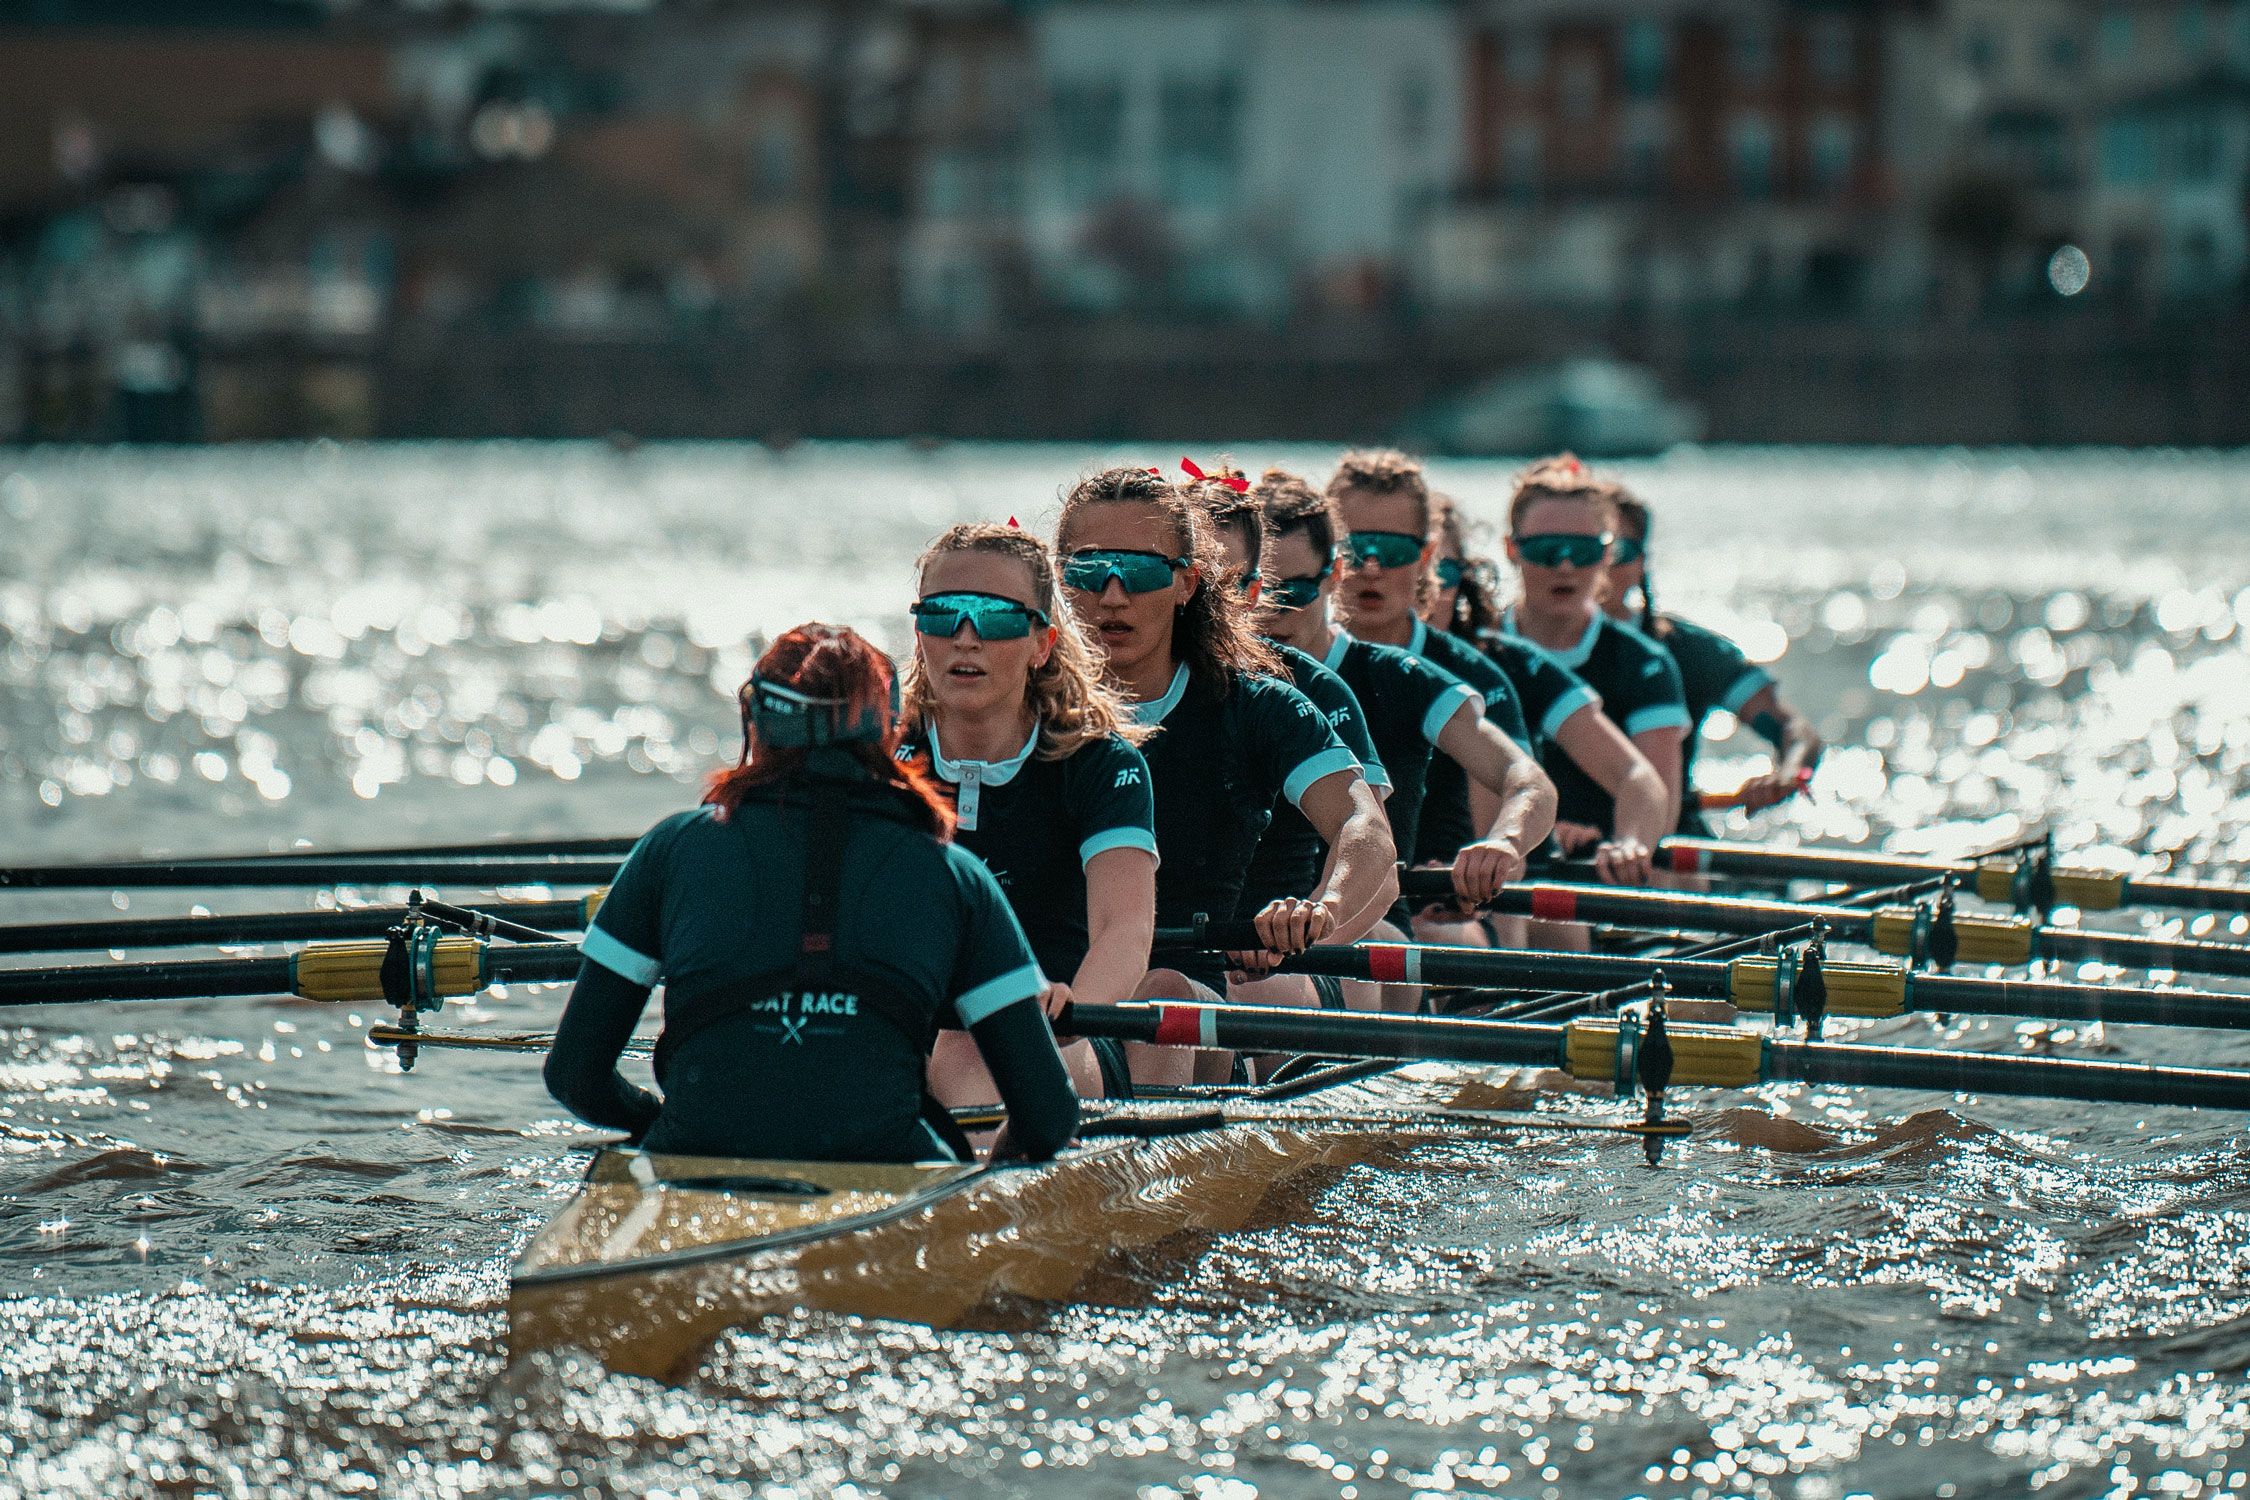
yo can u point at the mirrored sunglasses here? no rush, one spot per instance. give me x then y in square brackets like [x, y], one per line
[992, 616]
[1295, 593]
[1627, 549]
[1449, 570]
[1551, 549]
[1385, 549]
[1139, 572]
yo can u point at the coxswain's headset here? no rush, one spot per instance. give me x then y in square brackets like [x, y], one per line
[787, 719]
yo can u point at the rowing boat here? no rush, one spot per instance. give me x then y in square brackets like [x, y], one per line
[655, 1256]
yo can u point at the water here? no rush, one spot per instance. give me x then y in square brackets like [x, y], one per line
[240, 1253]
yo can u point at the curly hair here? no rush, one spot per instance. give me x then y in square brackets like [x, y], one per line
[1212, 633]
[1067, 693]
[1383, 471]
[827, 661]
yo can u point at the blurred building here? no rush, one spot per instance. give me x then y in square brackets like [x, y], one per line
[266, 217]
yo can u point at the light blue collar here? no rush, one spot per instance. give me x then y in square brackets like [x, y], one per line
[1572, 657]
[1338, 647]
[972, 776]
[1420, 634]
[1153, 711]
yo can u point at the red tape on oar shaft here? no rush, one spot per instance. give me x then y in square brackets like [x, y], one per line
[1551, 905]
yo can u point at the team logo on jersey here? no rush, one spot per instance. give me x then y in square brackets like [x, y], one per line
[1126, 776]
[810, 1006]
[1338, 717]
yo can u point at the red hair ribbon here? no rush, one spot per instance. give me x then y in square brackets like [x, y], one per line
[1235, 482]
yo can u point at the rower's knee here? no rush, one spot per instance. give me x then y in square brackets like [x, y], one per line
[1165, 984]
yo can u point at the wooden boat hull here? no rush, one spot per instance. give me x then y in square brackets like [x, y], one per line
[656, 1256]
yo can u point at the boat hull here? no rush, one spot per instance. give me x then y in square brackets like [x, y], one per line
[657, 1256]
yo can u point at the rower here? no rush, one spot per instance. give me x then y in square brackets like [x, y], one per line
[1564, 712]
[1142, 571]
[1006, 708]
[1714, 674]
[1291, 860]
[812, 923]
[1561, 520]
[1414, 707]
[1383, 501]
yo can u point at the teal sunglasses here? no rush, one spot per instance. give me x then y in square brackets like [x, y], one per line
[1449, 572]
[1627, 549]
[1296, 593]
[992, 616]
[1139, 572]
[1385, 549]
[1551, 549]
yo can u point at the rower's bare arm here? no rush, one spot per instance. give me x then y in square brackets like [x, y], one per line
[1509, 796]
[1120, 925]
[1661, 747]
[1598, 747]
[1362, 861]
[1796, 739]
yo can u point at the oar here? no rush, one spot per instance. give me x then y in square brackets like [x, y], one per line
[540, 848]
[271, 927]
[1750, 982]
[1890, 929]
[2021, 878]
[343, 972]
[1601, 1051]
[565, 870]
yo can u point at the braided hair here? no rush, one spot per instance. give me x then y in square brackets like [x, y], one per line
[1634, 520]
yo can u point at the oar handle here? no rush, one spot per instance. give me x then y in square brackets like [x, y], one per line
[1713, 801]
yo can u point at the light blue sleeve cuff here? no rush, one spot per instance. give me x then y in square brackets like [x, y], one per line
[620, 960]
[1447, 705]
[1559, 711]
[1377, 777]
[1658, 716]
[1746, 687]
[1326, 763]
[994, 995]
[1116, 838]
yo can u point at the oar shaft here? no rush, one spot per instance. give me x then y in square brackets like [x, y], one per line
[1573, 903]
[215, 874]
[260, 927]
[2000, 1073]
[1589, 1050]
[344, 973]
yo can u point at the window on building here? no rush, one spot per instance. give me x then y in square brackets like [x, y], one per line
[773, 162]
[1835, 151]
[1980, 50]
[1645, 147]
[2191, 29]
[1648, 51]
[1578, 88]
[2117, 36]
[1751, 51]
[1198, 138]
[1831, 45]
[1088, 118]
[1411, 104]
[1751, 145]
[1524, 56]
[2128, 155]
[1523, 153]
[2196, 149]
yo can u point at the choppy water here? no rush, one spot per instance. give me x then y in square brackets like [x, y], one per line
[240, 1254]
